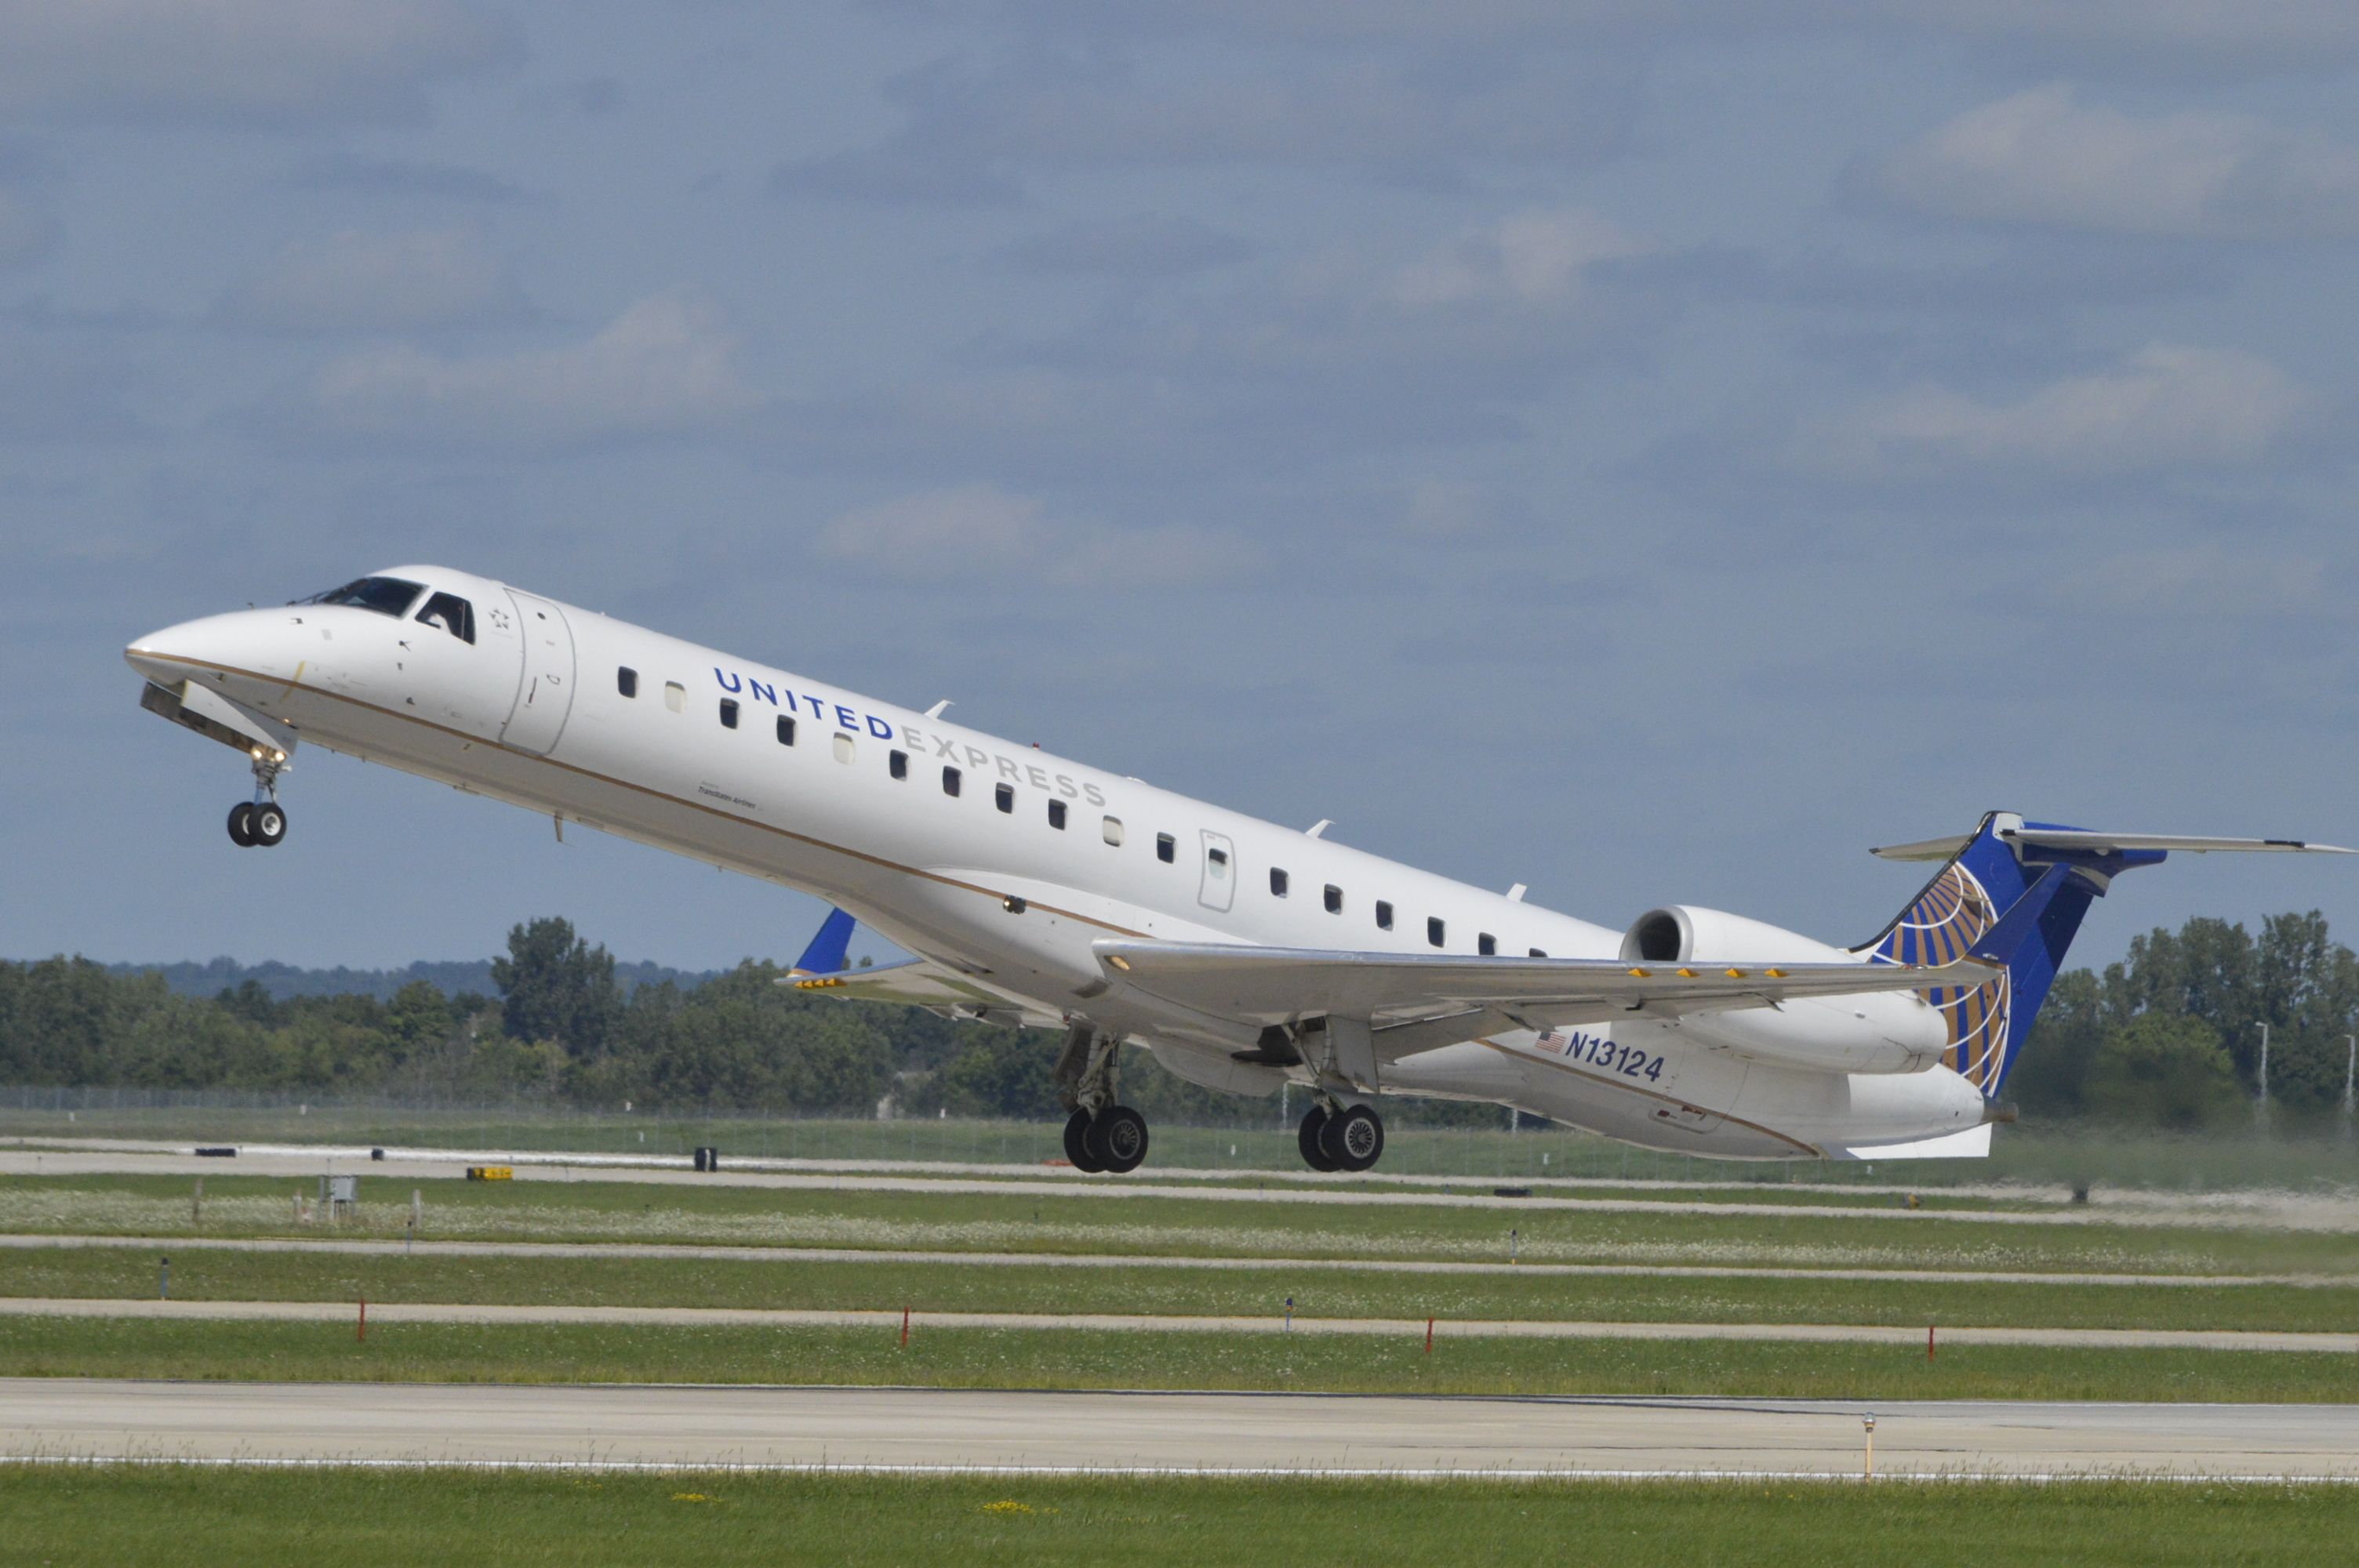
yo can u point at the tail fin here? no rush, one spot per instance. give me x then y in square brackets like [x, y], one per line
[1985, 878]
[2014, 891]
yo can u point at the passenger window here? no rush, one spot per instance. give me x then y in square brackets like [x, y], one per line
[1005, 797]
[897, 765]
[1335, 899]
[950, 781]
[1384, 916]
[1537, 953]
[675, 695]
[729, 713]
[626, 681]
[786, 729]
[1166, 848]
[1486, 945]
[450, 613]
[1276, 883]
[1433, 931]
[844, 747]
[1057, 815]
[1113, 831]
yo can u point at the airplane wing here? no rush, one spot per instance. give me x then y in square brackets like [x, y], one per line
[923, 982]
[1400, 995]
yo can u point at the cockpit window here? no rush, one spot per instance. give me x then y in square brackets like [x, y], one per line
[386, 595]
[450, 613]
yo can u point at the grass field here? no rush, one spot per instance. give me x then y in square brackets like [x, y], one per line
[1085, 1359]
[223, 1275]
[171, 1514]
[1285, 1224]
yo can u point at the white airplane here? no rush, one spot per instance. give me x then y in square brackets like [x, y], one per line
[1043, 892]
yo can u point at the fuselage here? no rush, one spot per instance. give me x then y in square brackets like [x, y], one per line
[1001, 860]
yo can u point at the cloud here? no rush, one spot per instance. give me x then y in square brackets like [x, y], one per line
[2203, 580]
[2209, 34]
[980, 531]
[2164, 408]
[241, 61]
[26, 231]
[1138, 245]
[2040, 157]
[1530, 258]
[357, 281]
[666, 366]
[397, 176]
[970, 131]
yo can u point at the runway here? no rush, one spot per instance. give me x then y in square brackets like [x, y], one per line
[884, 1320]
[926, 1430]
[2265, 1210]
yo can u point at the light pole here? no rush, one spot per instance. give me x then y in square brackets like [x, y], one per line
[2261, 1106]
[2349, 1071]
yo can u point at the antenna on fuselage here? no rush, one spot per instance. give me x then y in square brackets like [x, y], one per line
[1318, 827]
[936, 711]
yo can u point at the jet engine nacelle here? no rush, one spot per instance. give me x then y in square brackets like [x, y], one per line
[1875, 1031]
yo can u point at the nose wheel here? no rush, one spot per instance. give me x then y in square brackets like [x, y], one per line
[261, 823]
[258, 827]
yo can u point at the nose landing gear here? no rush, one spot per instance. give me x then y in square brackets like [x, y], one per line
[260, 823]
[1100, 1135]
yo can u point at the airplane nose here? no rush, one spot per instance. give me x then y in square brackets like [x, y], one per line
[214, 642]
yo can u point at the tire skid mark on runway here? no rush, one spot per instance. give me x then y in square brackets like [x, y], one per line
[980, 1432]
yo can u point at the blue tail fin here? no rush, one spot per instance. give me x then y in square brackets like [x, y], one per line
[830, 951]
[2019, 907]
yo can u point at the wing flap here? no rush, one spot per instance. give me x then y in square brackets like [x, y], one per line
[1280, 985]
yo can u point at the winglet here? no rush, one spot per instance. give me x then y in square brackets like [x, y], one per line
[829, 951]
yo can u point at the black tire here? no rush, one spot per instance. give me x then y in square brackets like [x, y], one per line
[1353, 1141]
[241, 825]
[268, 824]
[1314, 1153]
[1077, 1144]
[1120, 1135]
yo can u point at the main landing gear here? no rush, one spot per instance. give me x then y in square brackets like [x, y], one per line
[1347, 1138]
[1100, 1135]
[1114, 1139]
[260, 823]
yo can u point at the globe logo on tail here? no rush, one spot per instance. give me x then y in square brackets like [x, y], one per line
[1949, 918]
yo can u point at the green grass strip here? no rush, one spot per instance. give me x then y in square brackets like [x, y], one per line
[1080, 1358]
[1286, 1224]
[204, 1274]
[175, 1515]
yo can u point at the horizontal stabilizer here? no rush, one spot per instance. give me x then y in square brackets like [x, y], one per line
[2080, 841]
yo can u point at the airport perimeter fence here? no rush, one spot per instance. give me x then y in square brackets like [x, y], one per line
[2064, 1154]
[2060, 1156]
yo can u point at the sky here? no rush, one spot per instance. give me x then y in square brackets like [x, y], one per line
[1652, 452]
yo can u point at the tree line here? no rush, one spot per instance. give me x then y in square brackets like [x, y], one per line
[2168, 1037]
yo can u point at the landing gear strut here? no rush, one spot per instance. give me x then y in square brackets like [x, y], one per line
[260, 823]
[1347, 1138]
[1100, 1135]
